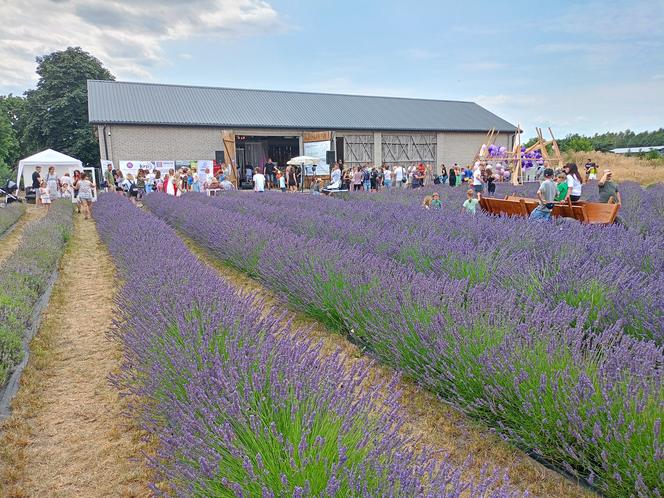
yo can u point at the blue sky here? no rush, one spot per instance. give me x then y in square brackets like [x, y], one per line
[575, 66]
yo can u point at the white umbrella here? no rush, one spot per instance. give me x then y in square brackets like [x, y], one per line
[303, 160]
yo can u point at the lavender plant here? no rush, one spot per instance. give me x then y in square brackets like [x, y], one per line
[24, 278]
[10, 215]
[242, 405]
[581, 265]
[585, 396]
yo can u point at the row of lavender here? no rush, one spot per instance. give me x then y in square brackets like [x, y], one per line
[642, 210]
[588, 402]
[10, 215]
[25, 277]
[612, 273]
[241, 407]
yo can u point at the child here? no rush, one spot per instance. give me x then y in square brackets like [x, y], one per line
[315, 187]
[66, 191]
[426, 203]
[44, 195]
[546, 195]
[490, 181]
[561, 184]
[435, 202]
[592, 172]
[282, 181]
[471, 202]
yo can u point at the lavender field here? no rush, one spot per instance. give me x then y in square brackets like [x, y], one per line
[550, 333]
[240, 404]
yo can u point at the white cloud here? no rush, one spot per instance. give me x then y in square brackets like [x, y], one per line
[126, 36]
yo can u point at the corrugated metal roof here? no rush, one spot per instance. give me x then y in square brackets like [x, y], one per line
[116, 102]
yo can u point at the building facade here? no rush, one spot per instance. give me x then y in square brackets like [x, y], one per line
[147, 122]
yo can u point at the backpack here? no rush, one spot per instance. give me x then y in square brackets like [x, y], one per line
[437, 180]
[366, 176]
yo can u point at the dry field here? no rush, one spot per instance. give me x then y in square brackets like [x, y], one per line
[624, 168]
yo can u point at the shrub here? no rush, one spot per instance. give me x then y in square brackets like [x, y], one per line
[550, 378]
[24, 279]
[241, 404]
[10, 215]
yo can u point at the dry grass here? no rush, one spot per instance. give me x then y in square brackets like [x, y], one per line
[624, 168]
[435, 424]
[67, 435]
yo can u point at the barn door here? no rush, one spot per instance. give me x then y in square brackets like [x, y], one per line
[358, 149]
[228, 137]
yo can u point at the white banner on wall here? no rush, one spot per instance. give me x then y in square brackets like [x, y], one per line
[132, 167]
[318, 149]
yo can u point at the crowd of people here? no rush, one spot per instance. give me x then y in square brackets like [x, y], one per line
[79, 189]
[566, 185]
[370, 178]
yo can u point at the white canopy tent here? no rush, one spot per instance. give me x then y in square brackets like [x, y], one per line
[46, 158]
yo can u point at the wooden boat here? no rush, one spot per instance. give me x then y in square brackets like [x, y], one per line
[592, 213]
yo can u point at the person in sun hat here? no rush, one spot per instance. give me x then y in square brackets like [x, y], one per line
[608, 189]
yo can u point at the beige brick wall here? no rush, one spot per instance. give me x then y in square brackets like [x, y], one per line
[154, 143]
[462, 147]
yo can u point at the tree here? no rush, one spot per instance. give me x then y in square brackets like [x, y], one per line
[12, 106]
[9, 147]
[576, 143]
[56, 112]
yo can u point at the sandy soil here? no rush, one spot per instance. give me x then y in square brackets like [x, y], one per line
[67, 436]
[9, 242]
[436, 424]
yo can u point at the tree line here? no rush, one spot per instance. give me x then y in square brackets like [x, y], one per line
[54, 114]
[604, 142]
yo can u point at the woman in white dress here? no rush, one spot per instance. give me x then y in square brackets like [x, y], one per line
[53, 183]
[170, 184]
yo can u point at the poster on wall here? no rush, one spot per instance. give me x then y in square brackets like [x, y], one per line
[132, 167]
[318, 149]
[197, 165]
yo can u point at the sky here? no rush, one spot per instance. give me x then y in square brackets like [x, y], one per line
[577, 67]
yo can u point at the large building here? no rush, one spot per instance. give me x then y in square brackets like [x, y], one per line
[153, 122]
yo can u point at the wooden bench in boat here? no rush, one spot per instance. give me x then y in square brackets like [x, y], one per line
[585, 212]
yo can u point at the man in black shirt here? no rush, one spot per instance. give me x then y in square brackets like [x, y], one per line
[36, 177]
[269, 173]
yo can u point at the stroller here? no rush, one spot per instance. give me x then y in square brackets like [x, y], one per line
[8, 192]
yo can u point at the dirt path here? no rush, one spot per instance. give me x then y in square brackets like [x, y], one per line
[9, 242]
[67, 436]
[438, 425]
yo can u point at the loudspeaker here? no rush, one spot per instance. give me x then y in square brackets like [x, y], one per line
[330, 157]
[219, 156]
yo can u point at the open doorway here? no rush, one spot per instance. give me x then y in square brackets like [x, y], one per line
[254, 151]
